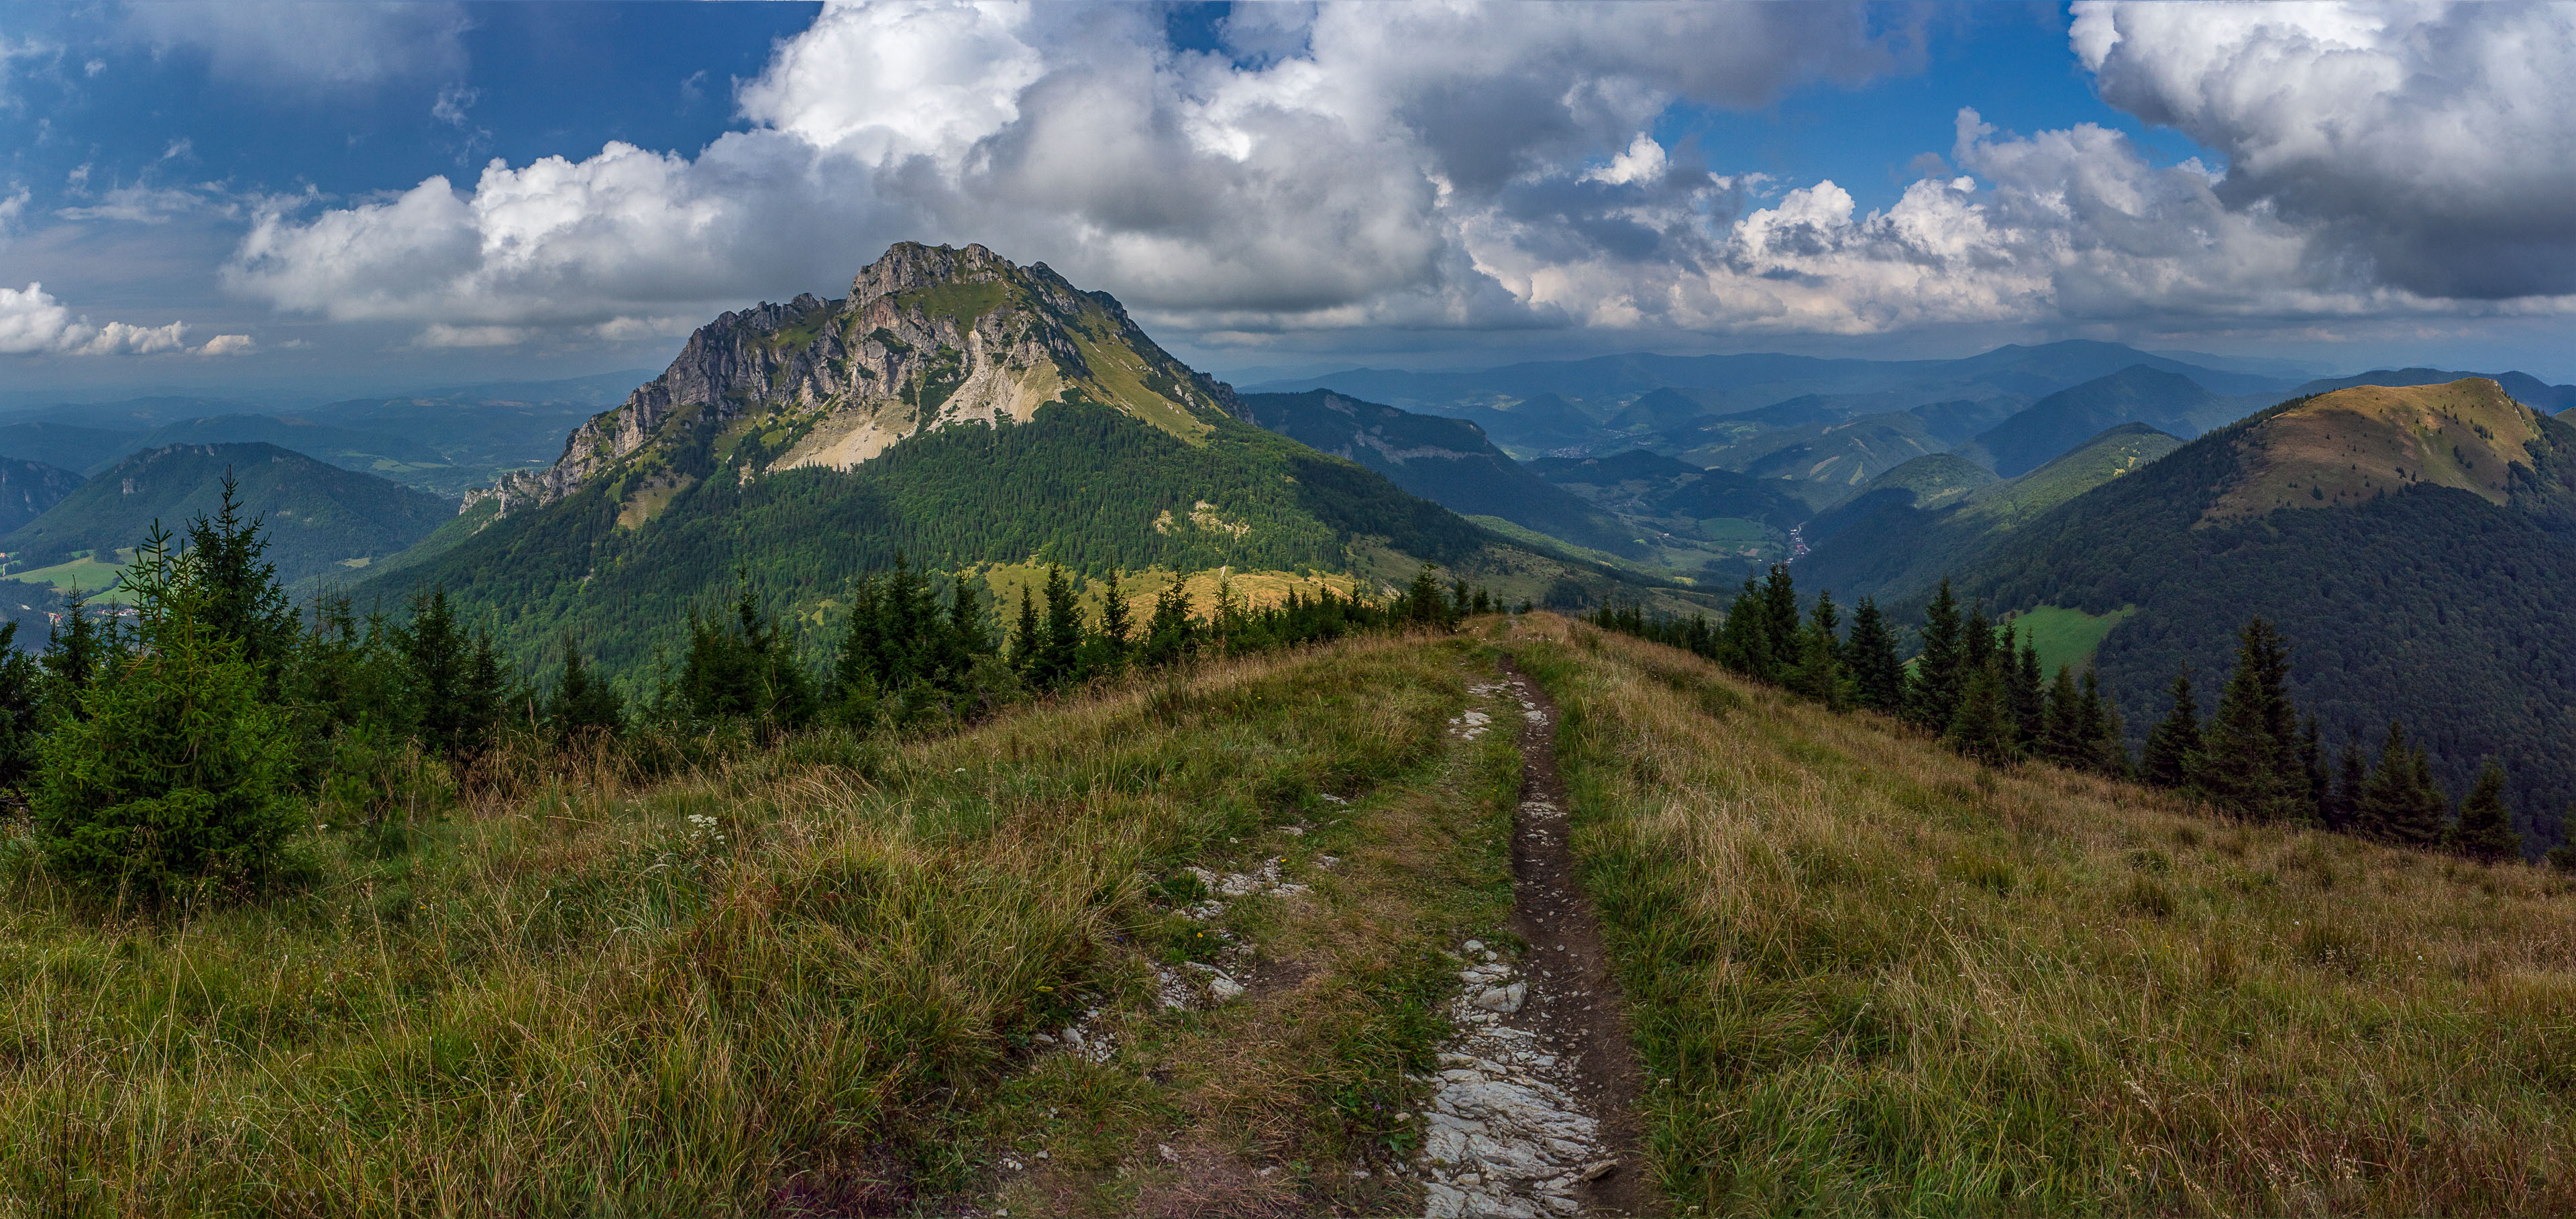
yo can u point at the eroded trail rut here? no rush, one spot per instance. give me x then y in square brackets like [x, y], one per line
[1534, 1109]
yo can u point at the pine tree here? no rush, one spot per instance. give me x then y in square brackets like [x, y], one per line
[2485, 832]
[1025, 637]
[2025, 688]
[175, 771]
[1168, 633]
[454, 676]
[2398, 804]
[1744, 643]
[1820, 667]
[1060, 640]
[1932, 697]
[1114, 623]
[1780, 621]
[240, 598]
[1982, 728]
[1423, 603]
[2173, 745]
[1878, 677]
[2105, 748]
[858, 671]
[582, 704]
[2250, 763]
[76, 651]
[744, 667]
[2062, 728]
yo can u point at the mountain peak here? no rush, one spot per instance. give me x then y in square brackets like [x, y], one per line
[2353, 445]
[929, 337]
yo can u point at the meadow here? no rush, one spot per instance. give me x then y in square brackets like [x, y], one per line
[832, 976]
[1870, 975]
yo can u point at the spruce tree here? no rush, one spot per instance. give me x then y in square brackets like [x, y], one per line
[454, 678]
[858, 671]
[2062, 735]
[2398, 804]
[1026, 639]
[2173, 745]
[1423, 604]
[1820, 668]
[2250, 764]
[2485, 832]
[240, 598]
[1115, 626]
[1061, 638]
[744, 667]
[1932, 697]
[1168, 632]
[2105, 747]
[1780, 620]
[76, 651]
[175, 772]
[1982, 728]
[2027, 691]
[966, 630]
[582, 704]
[1744, 644]
[1878, 677]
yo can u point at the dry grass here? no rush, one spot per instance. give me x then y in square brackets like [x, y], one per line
[792, 984]
[1876, 977]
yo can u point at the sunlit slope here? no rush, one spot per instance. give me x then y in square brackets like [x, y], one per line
[1882, 978]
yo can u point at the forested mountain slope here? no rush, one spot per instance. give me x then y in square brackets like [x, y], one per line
[2417, 547]
[1931, 515]
[1447, 461]
[955, 409]
[320, 518]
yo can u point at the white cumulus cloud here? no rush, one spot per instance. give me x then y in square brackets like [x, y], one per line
[1460, 164]
[32, 322]
[2431, 142]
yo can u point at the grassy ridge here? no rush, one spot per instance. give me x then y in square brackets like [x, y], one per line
[807, 981]
[1877, 977]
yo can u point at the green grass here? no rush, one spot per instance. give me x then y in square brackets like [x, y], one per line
[1869, 975]
[2068, 636]
[84, 572]
[809, 980]
[1736, 531]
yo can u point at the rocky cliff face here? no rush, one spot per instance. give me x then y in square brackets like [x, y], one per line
[928, 337]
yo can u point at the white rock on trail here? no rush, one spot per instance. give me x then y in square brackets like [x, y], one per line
[1504, 1137]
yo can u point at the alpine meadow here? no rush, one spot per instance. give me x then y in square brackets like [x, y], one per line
[1467, 610]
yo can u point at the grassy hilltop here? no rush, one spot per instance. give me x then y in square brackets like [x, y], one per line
[830, 976]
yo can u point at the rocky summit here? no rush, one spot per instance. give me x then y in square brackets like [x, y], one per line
[929, 336]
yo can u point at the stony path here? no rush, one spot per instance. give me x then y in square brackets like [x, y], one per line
[1533, 1110]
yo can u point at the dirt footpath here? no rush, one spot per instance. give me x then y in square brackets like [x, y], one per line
[1535, 1108]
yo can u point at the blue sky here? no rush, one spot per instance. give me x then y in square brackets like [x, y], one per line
[303, 188]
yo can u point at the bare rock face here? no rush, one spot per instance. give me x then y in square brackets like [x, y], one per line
[929, 337]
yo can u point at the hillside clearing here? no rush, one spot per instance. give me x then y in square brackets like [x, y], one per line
[1870, 975]
[2068, 636]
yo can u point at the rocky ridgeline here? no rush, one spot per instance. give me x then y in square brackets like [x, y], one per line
[928, 336]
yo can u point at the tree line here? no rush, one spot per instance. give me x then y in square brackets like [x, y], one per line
[1977, 684]
[175, 749]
